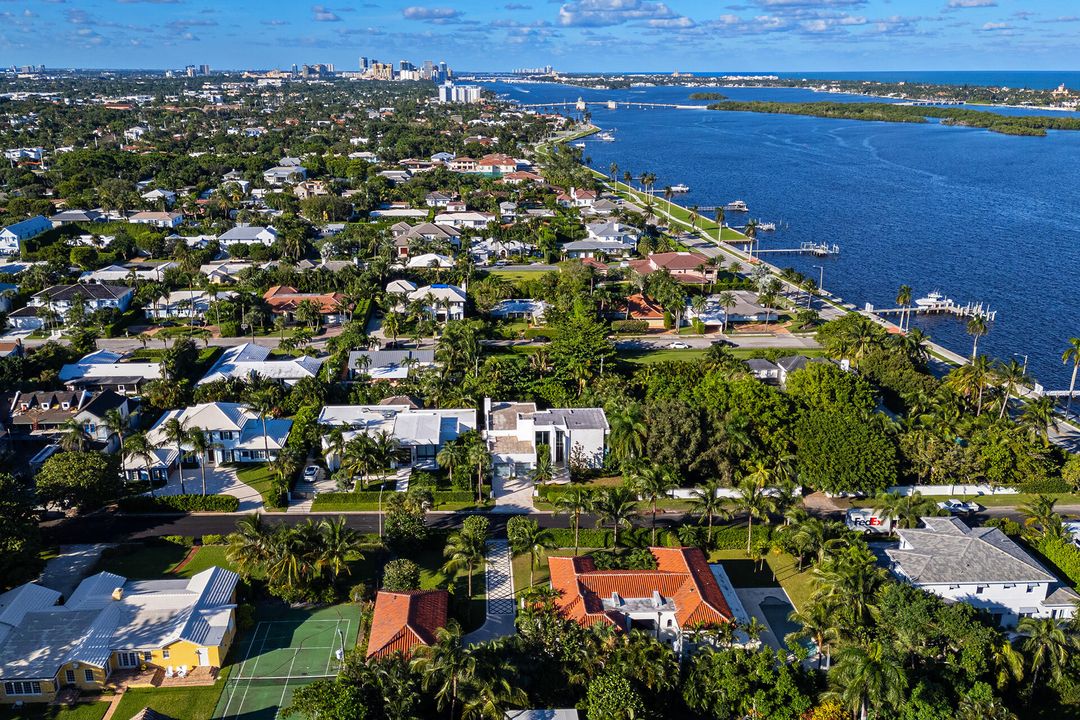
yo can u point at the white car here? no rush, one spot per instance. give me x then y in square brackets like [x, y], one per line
[959, 507]
[311, 473]
[679, 345]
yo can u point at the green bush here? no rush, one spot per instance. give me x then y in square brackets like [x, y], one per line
[180, 503]
[630, 327]
[1062, 554]
[181, 540]
[213, 539]
[229, 328]
[245, 616]
[1045, 486]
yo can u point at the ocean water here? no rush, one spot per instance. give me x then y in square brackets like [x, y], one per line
[976, 215]
[1034, 79]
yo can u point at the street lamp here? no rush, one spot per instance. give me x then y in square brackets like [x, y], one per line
[821, 278]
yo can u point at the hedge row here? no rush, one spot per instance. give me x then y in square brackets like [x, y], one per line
[630, 327]
[346, 500]
[1064, 555]
[180, 503]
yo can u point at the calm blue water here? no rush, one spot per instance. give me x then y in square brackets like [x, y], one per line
[974, 214]
[1035, 79]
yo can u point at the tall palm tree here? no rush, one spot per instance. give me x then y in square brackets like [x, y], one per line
[1038, 417]
[464, 551]
[868, 677]
[445, 665]
[751, 235]
[752, 499]
[174, 432]
[905, 510]
[1048, 645]
[1072, 354]
[618, 506]
[117, 423]
[140, 448]
[453, 456]
[480, 458]
[976, 327]
[707, 504]
[340, 545]
[1011, 375]
[529, 538]
[727, 301]
[249, 546]
[628, 431]
[574, 502]
[263, 399]
[200, 443]
[74, 438]
[614, 170]
[903, 299]
[1040, 513]
[652, 483]
[719, 223]
[817, 623]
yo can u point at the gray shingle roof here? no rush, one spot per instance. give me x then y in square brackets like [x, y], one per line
[948, 551]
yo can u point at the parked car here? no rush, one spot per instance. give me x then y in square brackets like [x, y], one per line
[1072, 527]
[723, 343]
[960, 507]
[679, 345]
[311, 473]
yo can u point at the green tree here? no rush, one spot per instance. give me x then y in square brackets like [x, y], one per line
[842, 452]
[618, 506]
[1048, 645]
[868, 677]
[329, 700]
[976, 328]
[445, 666]
[611, 697]
[20, 537]
[78, 480]
[174, 432]
[401, 575]
[526, 537]
[465, 550]
[652, 483]
[906, 509]
[753, 500]
[1072, 354]
[574, 502]
[707, 505]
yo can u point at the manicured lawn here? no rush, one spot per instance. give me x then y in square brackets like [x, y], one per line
[744, 572]
[93, 710]
[259, 477]
[430, 559]
[541, 576]
[517, 275]
[185, 703]
[779, 569]
[146, 562]
[798, 585]
[206, 556]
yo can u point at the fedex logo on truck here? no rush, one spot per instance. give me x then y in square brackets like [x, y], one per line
[867, 521]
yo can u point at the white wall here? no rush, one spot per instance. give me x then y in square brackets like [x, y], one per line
[960, 489]
[996, 598]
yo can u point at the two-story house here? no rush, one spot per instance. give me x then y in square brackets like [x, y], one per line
[16, 233]
[982, 567]
[515, 432]
[419, 433]
[61, 298]
[234, 430]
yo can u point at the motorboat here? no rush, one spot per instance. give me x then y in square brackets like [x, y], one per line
[680, 188]
[736, 206]
[932, 299]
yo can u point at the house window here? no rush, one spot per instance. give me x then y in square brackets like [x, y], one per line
[979, 589]
[22, 688]
[147, 656]
[88, 675]
[1031, 588]
[165, 654]
[70, 677]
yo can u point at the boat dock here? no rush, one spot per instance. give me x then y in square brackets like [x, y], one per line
[805, 248]
[945, 306]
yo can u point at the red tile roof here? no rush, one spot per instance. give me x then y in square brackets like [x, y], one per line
[682, 576]
[683, 265]
[403, 620]
[641, 308]
[282, 298]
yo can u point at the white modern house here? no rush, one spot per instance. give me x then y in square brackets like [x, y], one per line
[420, 433]
[390, 364]
[14, 234]
[469, 219]
[150, 272]
[235, 431]
[441, 301]
[514, 431]
[248, 234]
[428, 261]
[982, 567]
[282, 175]
[519, 308]
[184, 304]
[243, 361]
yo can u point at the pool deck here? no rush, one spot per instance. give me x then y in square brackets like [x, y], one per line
[751, 600]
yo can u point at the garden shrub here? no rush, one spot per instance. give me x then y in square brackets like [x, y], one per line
[1048, 486]
[1062, 554]
[180, 503]
[630, 327]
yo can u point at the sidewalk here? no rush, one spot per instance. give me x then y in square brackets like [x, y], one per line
[499, 580]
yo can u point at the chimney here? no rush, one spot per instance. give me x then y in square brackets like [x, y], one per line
[487, 411]
[118, 593]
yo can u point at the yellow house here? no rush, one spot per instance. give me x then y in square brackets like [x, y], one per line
[111, 623]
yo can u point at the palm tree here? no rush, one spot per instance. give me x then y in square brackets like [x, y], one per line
[906, 510]
[174, 432]
[817, 623]
[707, 504]
[140, 448]
[727, 301]
[453, 456]
[976, 327]
[753, 501]
[628, 431]
[652, 482]
[574, 502]
[263, 400]
[543, 472]
[614, 170]
[1072, 354]
[1040, 513]
[719, 223]
[201, 446]
[532, 539]
[74, 438]
[868, 677]
[464, 550]
[249, 546]
[392, 325]
[1011, 375]
[1047, 644]
[751, 235]
[1038, 417]
[117, 423]
[445, 665]
[618, 506]
[481, 459]
[340, 544]
[903, 299]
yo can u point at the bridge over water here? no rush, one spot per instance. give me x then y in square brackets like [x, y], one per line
[609, 104]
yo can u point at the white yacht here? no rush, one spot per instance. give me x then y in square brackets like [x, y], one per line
[680, 188]
[736, 206]
[606, 137]
[931, 299]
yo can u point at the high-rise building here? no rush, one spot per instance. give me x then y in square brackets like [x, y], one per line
[363, 63]
[204, 69]
[465, 94]
[190, 71]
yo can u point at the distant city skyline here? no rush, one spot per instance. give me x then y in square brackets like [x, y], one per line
[575, 36]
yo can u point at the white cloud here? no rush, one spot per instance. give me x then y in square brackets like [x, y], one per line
[961, 4]
[324, 14]
[417, 12]
[604, 13]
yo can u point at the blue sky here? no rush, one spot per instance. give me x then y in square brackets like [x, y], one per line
[579, 35]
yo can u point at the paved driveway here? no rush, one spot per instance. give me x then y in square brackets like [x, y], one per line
[219, 481]
[64, 572]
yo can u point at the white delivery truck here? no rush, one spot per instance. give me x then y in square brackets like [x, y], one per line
[868, 521]
[1072, 529]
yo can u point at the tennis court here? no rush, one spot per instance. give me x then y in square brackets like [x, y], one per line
[283, 653]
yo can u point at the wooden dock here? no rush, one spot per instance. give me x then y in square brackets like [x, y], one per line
[805, 248]
[968, 310]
